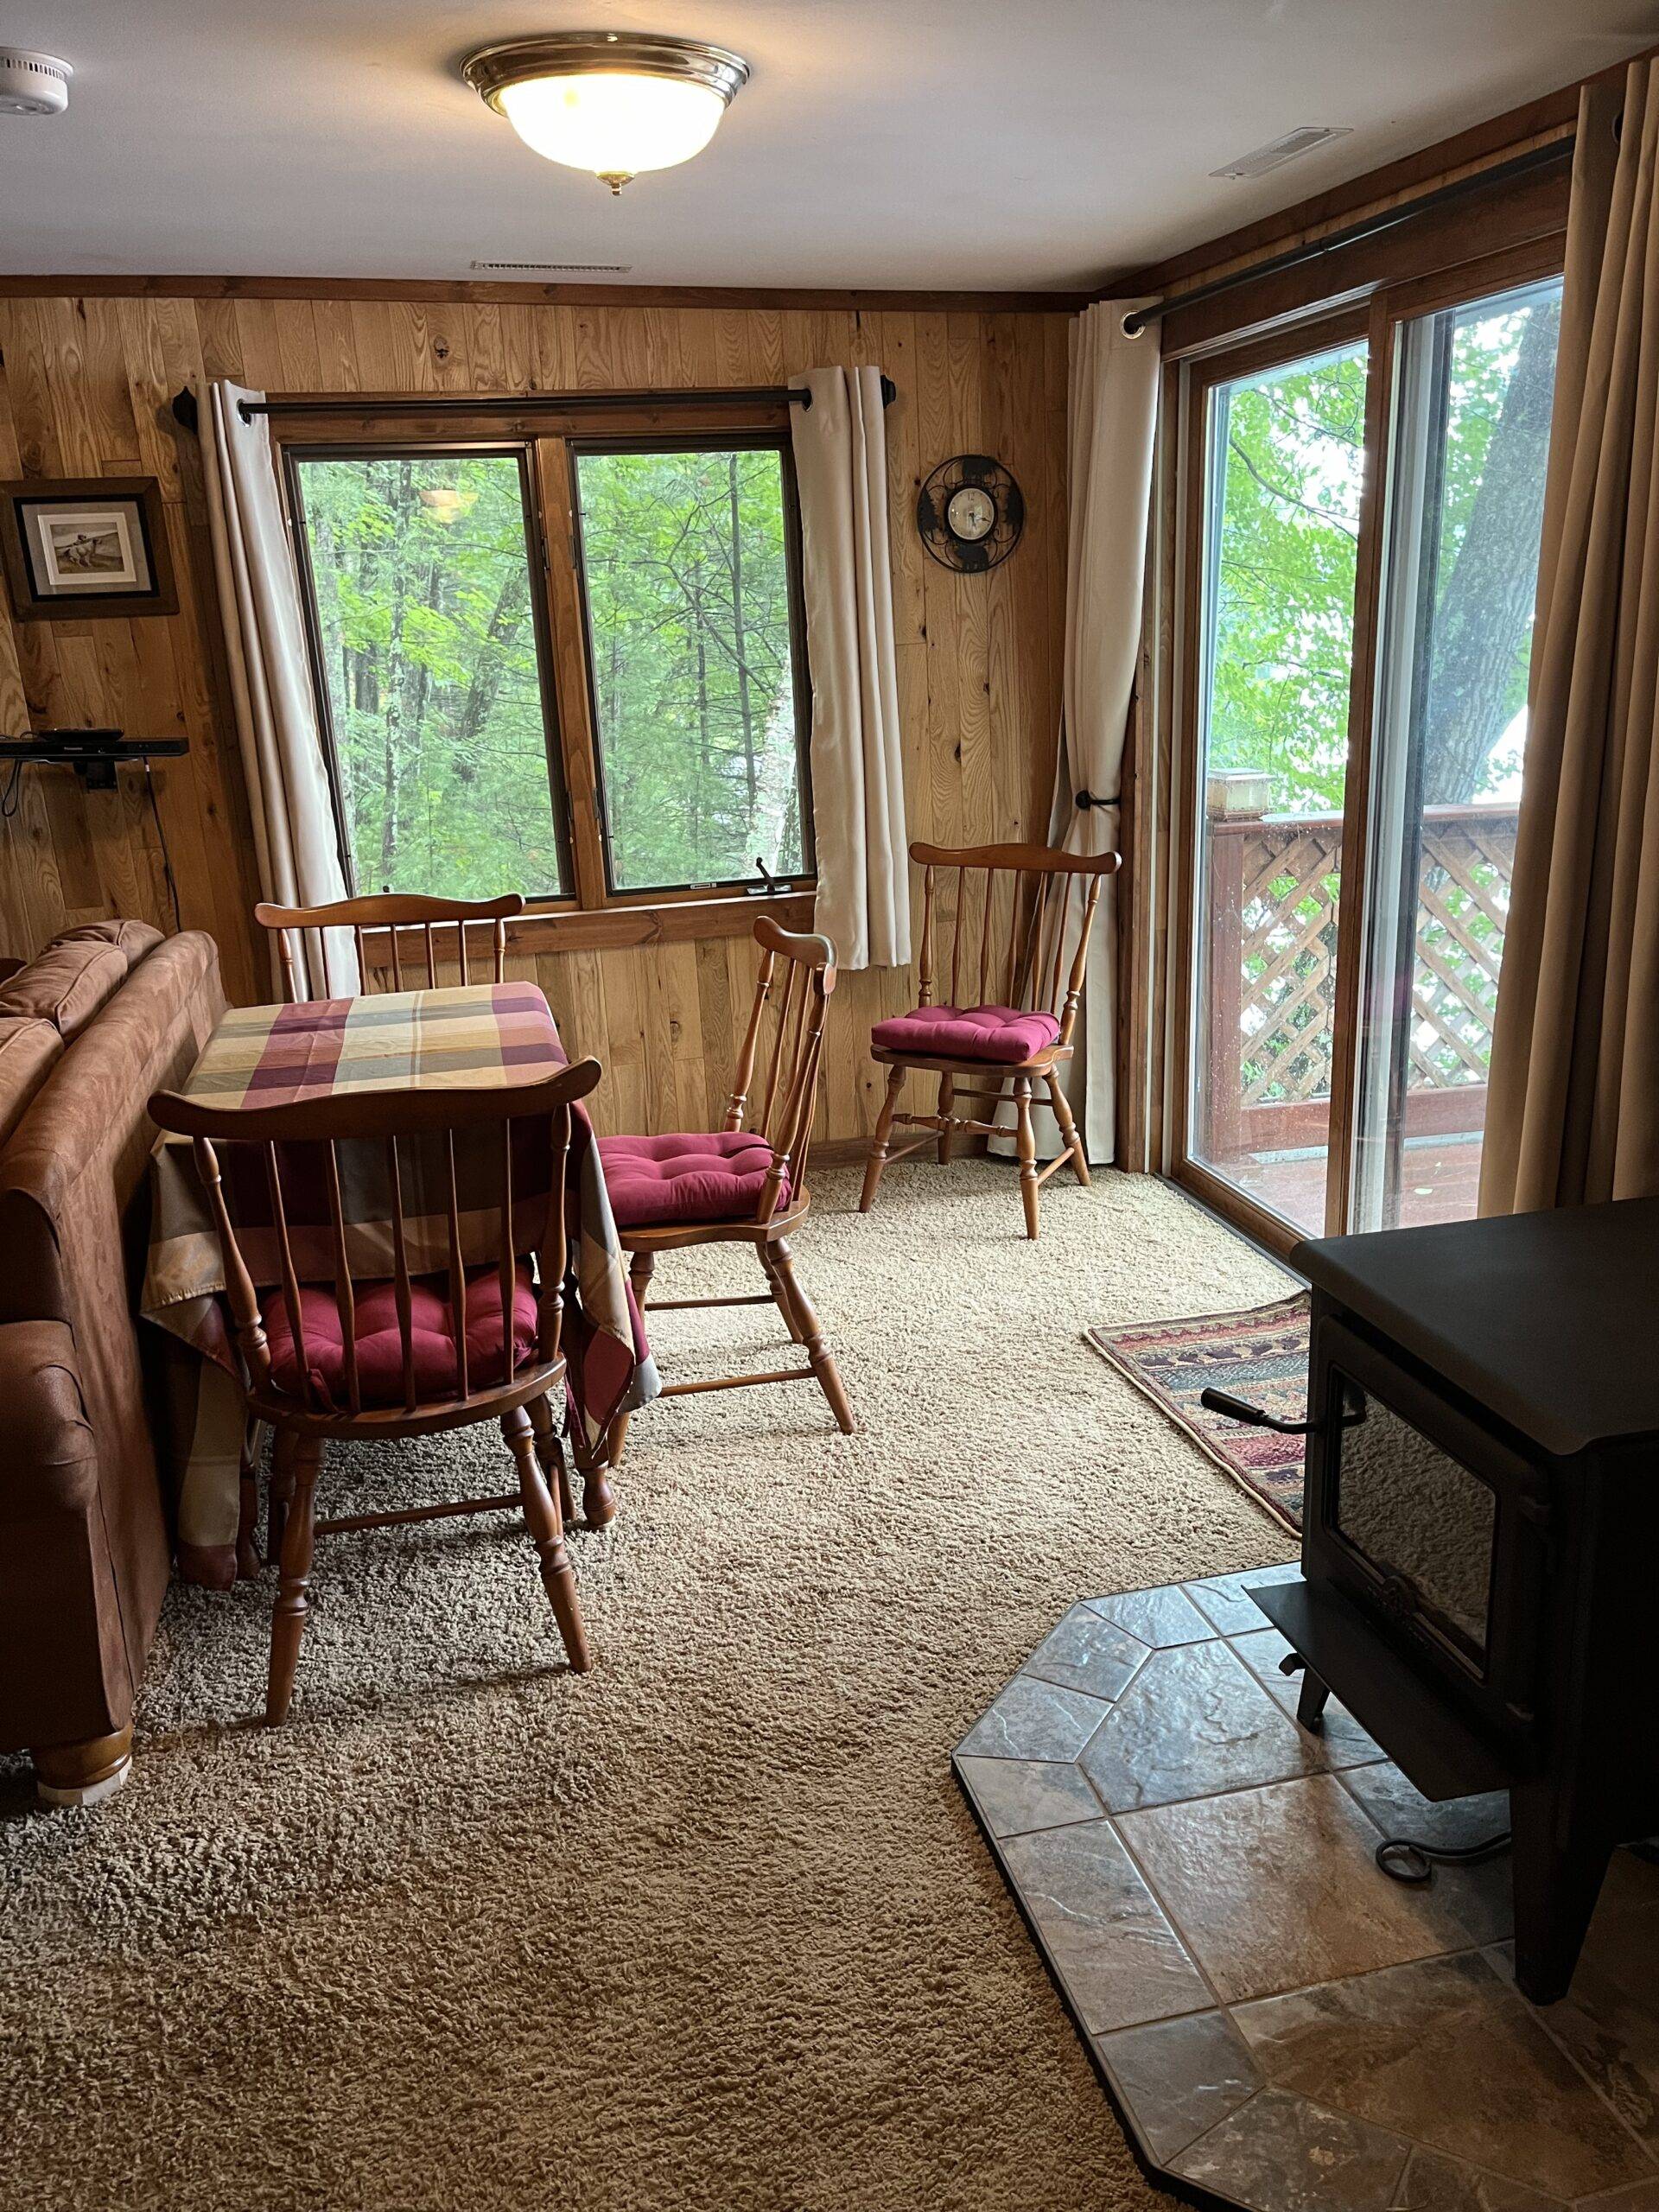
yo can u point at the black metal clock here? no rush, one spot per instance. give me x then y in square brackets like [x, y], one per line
[970, 513]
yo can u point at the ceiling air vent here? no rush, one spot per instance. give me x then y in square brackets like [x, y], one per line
[1302, 140]
[554, 268]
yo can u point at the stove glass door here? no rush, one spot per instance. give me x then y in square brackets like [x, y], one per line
[1423, 1521]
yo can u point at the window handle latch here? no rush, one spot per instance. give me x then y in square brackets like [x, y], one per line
[773, 889]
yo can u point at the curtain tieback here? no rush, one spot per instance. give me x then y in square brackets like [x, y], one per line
[1086, 799]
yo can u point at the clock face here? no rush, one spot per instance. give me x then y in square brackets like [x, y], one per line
[969, 514]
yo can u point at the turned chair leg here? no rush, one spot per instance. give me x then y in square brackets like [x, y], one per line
[1026, 1139]
[1062, 1106]
[301, 1458]
[279, 1498]
[879, 1142]
[780, 1295]
[947, 1105]
[547, 1532]
[818, 1351]
[550, 1452]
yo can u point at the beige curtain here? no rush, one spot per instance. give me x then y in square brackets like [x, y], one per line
[1573, 1111]
[270, 683]
[858, 792]
[1112, 417]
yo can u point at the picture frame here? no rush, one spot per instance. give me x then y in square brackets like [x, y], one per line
[85, 548]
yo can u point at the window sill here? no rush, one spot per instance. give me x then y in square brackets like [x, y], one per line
[678, 921]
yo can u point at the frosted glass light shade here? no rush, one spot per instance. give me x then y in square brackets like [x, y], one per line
[614, 125]
[612, 102]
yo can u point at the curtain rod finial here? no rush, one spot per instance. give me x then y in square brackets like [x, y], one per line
[185, 412]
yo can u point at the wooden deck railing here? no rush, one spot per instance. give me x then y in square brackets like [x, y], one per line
[1274, 884]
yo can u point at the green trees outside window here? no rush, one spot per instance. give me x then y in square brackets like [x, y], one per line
[687, 583]
[431, 622]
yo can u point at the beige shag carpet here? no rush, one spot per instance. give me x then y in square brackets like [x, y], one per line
[711, 1929]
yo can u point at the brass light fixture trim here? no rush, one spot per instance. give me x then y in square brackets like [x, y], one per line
[495, 70]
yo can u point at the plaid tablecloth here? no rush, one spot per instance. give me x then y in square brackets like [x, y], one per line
[470, 1037]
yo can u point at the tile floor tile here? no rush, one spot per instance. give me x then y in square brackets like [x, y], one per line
[1445, 2051]
[1193, 1721]
[1483, 1896]
[1220, 1597]
[1281, 2154]
[1180, 2077]
[1103, 1930]
[1157, 1617]
[1431, 2183]
[1346, 1741]
[1276, 1888]
[1034, 1720]
[1087, 1653]
[1015, 1796]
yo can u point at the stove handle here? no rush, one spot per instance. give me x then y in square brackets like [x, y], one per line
[1240, 1409]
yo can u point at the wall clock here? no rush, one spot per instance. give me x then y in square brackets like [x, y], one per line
[970, 513]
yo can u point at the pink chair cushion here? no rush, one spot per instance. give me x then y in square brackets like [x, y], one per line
[379, 1345]
[969, 1032]
[686, 1177]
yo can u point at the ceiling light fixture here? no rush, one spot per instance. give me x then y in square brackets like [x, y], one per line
[610, 102]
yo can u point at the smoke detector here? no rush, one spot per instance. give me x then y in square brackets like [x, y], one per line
[1272, 156]
[33, 84]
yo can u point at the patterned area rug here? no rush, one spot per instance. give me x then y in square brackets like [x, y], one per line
[1260, 1355]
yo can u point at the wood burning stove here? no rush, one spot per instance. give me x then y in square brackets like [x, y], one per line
[1482, 1517]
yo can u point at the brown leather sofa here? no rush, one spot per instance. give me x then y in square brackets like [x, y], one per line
[105, 1016]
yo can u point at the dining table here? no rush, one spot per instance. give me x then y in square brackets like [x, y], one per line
[468, 1036]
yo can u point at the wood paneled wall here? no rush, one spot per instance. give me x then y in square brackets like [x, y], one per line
[85, 387]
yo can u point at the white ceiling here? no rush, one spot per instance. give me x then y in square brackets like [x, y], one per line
[934, 144]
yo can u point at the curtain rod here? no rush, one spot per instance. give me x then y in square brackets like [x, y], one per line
[186, 410]
[1372, 226]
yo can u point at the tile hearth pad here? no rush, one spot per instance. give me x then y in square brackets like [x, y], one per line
[1283, 2028]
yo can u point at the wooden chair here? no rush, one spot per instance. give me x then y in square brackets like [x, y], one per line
[1007, 918]
[393, 915]
[744, 1183]
[377, 1363]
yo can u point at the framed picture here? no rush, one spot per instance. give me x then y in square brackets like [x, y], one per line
[81, 547]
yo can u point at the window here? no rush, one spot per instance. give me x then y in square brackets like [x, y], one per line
[687, 572]
[573, 667]
[427, 649]
[1363, 514]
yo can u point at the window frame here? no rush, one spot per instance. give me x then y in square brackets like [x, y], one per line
[294, 456]
[546, 435]
[1189, 378]
[707, 442]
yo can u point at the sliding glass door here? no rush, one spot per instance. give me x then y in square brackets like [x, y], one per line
[1470, 437]
[1364, 520]
[1285, 450]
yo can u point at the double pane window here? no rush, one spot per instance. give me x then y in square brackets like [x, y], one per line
[611, 704]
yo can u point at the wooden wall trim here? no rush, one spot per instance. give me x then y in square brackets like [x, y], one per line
[429, 291]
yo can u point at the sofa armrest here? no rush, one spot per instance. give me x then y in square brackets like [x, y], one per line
[48, 1452]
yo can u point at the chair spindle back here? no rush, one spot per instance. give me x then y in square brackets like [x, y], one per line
[413, 956]
[300, 1149]
[998, 922]
[775, 1086]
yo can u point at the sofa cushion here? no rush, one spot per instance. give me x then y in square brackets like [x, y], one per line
[998, 1034]
[66, 985]
[380, 1342]
[27, 1049]
[132, 939]
[689, 1176]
